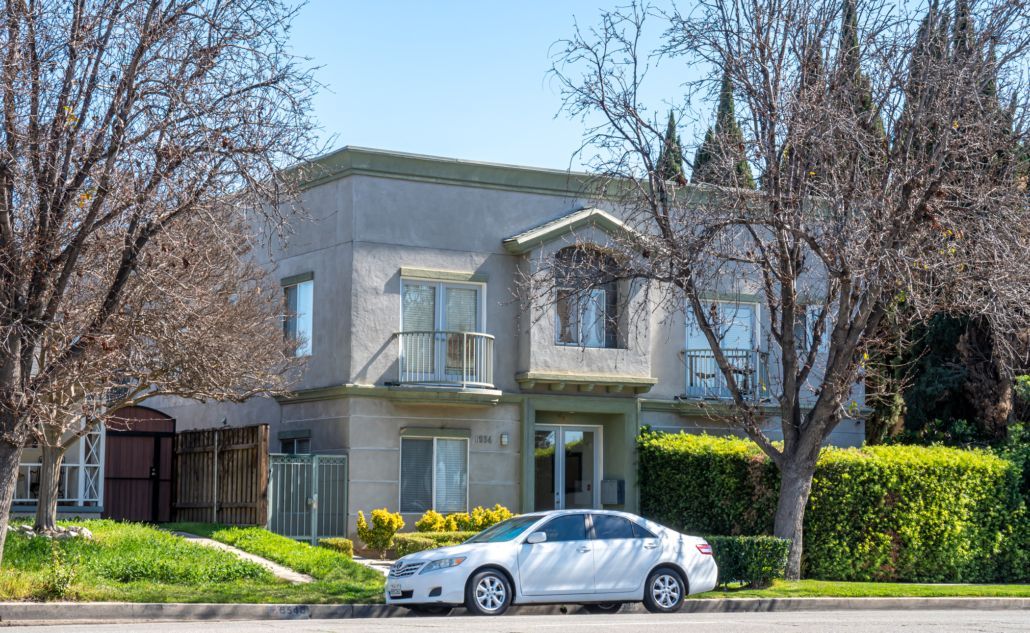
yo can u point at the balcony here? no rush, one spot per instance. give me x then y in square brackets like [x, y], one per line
[705, 381]
[442, 358]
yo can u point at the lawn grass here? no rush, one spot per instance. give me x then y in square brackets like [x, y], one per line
[139, 563]
[323, 564]
[834, 589]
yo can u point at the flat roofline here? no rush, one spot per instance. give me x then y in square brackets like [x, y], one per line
[353, 160]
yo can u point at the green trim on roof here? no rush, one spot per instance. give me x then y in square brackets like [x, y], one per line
[350, 160]
[528, 240]
[293, 280]
[408, 272]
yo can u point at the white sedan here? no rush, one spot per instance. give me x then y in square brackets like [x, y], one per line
[597, 558]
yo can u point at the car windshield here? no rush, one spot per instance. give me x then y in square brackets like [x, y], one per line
[505, 530]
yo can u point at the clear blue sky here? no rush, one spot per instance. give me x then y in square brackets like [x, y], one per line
[459, 78]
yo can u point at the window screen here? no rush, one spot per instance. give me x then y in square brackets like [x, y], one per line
[434, 474]
[297, 326]
[451, 475]
[416, 475]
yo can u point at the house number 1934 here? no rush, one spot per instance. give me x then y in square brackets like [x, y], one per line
[484, 439]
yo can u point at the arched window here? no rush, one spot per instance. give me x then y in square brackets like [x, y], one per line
[587, 301]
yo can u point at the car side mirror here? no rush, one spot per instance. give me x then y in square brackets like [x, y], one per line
[536, 537]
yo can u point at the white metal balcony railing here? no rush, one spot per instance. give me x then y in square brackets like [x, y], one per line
[69, 491]
[463, 359]
[706, 381]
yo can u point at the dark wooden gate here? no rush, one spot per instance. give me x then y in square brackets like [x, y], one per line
[222, 475]
[138, 466]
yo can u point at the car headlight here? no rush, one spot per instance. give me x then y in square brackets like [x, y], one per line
[443, 563]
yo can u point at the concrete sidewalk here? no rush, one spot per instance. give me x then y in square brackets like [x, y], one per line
[111, 612]
[281, 572]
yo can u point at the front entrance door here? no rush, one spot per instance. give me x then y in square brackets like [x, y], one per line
[567, 467]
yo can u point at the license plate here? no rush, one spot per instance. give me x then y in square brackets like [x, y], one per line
[395, 590]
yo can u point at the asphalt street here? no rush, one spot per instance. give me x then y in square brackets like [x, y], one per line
[795, 622]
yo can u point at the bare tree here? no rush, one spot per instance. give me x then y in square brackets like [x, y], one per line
[122, 118]
[199, 319]
[878, 192]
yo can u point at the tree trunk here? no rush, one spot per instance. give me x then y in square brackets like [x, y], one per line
[795, 488]
[10, 458]
[49, 478]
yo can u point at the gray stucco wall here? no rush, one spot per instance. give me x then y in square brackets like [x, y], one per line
[365, 225]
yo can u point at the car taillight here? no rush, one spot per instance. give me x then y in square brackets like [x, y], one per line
[704, 548]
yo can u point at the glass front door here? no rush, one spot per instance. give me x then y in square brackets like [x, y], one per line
[567, 467]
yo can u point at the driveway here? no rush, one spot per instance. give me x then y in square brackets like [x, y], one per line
[811, 622]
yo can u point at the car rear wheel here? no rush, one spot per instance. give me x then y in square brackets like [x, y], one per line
[601, 608]
[664, 591]
[488, 593]
[430, 609]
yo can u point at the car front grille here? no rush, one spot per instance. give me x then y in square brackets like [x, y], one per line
[402, 570]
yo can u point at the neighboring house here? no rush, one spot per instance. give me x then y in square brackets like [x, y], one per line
[425, 370]
[119, 471]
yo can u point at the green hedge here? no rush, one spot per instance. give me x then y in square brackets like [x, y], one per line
[889, 513]
[406, 543]
[755, 560]
[342, 545]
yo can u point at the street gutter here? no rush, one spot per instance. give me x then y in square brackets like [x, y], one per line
[22, 613]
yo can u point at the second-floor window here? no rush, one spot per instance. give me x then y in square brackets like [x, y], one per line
[441, 333]
[297, 326]
[587, 301]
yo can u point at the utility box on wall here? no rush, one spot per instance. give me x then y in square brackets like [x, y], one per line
[613, 492]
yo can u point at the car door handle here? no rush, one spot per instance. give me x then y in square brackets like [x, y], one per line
[650, 545]
[583, 549]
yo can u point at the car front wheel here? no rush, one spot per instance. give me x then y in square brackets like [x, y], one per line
[665, 591]
[488, 593]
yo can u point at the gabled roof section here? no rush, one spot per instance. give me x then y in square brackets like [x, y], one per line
[526, 241]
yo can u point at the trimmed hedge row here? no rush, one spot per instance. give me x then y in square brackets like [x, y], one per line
[887, 513]
[755, 560]
[342, 545]
[410, 542]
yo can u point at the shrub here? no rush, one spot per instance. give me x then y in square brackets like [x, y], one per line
[886, 513]
[431, 521]
[379, 536]
[342, 545]
[477, 520]
[411, 542]
[404, 544]
[755, 560]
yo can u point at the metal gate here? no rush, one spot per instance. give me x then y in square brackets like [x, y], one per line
[307, 496]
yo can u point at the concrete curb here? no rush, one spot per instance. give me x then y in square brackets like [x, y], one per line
[107, 612]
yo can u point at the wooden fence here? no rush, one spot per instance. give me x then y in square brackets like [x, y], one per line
[222, 475]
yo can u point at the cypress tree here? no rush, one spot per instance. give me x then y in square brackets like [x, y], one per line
[721, 159]
[670, 159]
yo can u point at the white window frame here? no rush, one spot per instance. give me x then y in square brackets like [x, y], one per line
[756, 322]
[432, 489]
[439, 287]
[308, 348]
[583, 299]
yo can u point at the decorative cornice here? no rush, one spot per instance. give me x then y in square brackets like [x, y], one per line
[409, 272]
[585, 382]
[528, 240]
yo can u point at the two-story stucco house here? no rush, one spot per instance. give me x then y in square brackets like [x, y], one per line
[440, 387]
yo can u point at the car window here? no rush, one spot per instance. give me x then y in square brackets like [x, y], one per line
[608, 526]
[505, 530]
[571, 527]
[641, 532]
